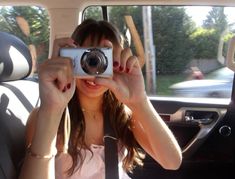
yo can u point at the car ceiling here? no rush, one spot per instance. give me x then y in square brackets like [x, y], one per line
[84, 3]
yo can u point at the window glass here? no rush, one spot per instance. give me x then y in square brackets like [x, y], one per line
[94, 12]
[185, 47]
[30, 24]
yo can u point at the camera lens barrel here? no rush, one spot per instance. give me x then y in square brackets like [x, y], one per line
[94, 61]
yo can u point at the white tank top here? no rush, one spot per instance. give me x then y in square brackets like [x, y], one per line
[92, 168]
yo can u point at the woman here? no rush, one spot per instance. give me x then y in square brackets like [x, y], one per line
[123, 97]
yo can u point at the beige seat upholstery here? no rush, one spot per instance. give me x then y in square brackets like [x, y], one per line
[18, 96]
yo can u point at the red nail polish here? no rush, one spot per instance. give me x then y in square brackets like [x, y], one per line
[127, 70]
[64, 89]
[115, 64]
[75, 43]
[121, 68]
[68, 85]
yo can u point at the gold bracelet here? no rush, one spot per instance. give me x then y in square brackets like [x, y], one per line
[38, 156]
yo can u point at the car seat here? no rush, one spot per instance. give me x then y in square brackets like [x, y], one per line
[18, 96]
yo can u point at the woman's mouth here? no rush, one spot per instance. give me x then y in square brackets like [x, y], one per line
[91, 84]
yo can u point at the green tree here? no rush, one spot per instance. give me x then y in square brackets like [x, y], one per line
[205, 43]
[216, 19]
[117, 14]
[117, 17]
[93, 12]
[38, 21]
[205, 40]
[172, 28]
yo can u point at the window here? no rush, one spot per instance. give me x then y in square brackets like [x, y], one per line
[30, 24]
[186, 47]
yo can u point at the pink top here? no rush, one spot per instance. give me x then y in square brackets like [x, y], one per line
[92, 168]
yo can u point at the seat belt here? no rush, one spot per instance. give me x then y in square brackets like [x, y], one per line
[111, 151]
[28, 106]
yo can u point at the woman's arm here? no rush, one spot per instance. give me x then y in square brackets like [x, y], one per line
[41, 135]
[154, 136]
[56, 88]
[149, 129]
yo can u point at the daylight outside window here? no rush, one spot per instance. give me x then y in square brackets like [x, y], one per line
[189, 46]
[31, 25]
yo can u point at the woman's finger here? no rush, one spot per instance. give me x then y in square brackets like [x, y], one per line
[116, 52]
[117, 49]
[125, 54]
[60, 43]
[58, 72]
[131, 62]
[107, 82]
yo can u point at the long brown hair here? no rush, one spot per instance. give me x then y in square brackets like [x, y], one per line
[119, 118]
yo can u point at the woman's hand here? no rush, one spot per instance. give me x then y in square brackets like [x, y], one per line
[127, 83]
[60, 43]
[56, 81]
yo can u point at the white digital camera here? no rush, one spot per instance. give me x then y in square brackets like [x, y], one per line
[90, 62]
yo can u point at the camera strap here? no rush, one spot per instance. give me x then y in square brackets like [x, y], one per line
[111, 150]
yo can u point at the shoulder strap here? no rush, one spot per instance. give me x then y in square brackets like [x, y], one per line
[111, 152]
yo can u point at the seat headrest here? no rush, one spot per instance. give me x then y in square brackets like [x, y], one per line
[15, 58]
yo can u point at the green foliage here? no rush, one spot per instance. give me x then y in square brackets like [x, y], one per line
[216, 19]
[226, 39]
[176, 38]
[172, 28]
[205, 43]
[228, 36]
[37, 19]
[117, 13]
[172, 52]
[116, 17]
[165, 81]
[205, 40]
[93, 12]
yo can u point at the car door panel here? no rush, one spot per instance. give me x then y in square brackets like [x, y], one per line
[203, 129]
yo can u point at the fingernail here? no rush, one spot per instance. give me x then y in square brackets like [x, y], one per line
[75, 43]
[64, 89]
[127, 70]
[68, 85]
[121, 68]
[115, 64]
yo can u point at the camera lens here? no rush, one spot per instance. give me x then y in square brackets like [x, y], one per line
[94, 61]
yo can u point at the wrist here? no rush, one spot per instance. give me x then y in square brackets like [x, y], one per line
[139, 104]
[48, 120]
[52, 108]
[47, 124]
[49, 112]
[38, 155]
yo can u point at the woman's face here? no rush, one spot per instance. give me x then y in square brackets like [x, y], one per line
[87, 87]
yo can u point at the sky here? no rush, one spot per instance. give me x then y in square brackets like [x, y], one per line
[199, 13]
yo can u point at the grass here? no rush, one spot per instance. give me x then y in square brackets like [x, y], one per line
[165, 81]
